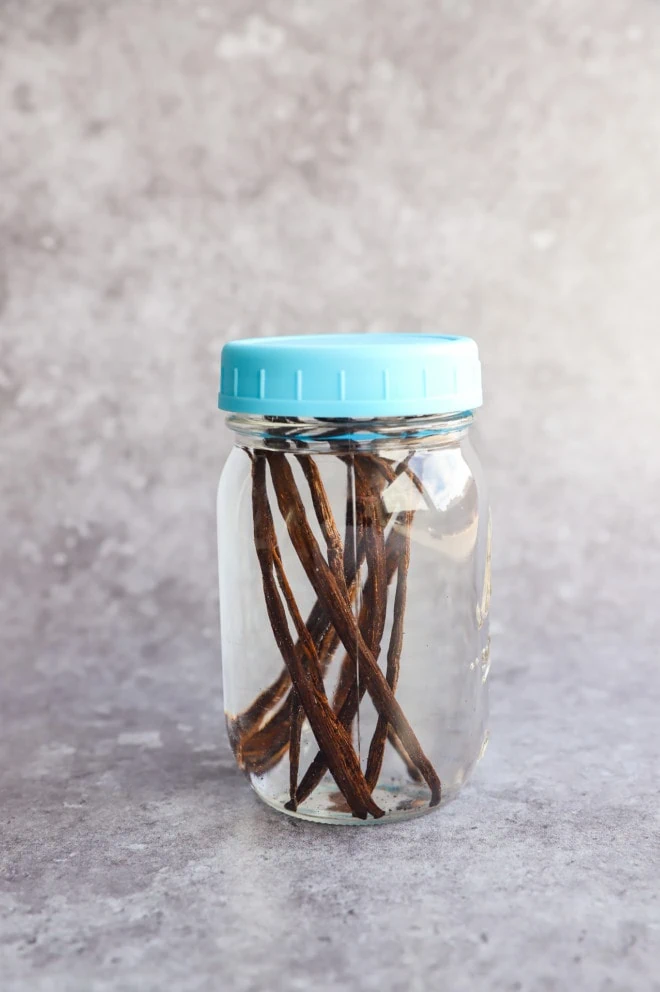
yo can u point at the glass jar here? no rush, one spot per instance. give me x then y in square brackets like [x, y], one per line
[354, 572]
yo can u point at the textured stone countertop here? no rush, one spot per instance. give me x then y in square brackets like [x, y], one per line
[173, 174]
[135, 856]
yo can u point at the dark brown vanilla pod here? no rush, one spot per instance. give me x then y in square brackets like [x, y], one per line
[377, 747]
[349, 693]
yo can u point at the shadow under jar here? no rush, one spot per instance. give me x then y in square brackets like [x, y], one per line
[354, 544]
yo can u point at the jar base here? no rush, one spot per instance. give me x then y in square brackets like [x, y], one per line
[400, 802]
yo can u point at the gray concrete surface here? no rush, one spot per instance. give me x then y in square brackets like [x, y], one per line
[174, 173]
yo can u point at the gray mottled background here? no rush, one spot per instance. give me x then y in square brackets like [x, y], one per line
[173, 174]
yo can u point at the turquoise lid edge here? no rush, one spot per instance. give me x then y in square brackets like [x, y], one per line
[350, 376]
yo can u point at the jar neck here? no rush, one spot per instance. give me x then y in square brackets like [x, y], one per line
[330, 434]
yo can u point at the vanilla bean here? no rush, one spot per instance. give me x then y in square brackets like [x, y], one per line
[357, 480]
[264, 748]
[330, 734]
[325, 517]
[347, 705]
[413, 772]
[341, 561]
[296, 720]
[353, 536]
[296, 709]
[377, 747]
[371, 621]
[375, 591]
[372, 521]
[349, 694]
[339, 608]
[346, 670]
[390, 473]
[244, 725]
[339, 564]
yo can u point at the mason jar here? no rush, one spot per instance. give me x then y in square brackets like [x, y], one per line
[354, 549]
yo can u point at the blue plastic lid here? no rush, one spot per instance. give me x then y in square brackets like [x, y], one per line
[357, 376]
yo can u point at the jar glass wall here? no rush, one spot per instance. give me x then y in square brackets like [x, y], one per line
[354, 591]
